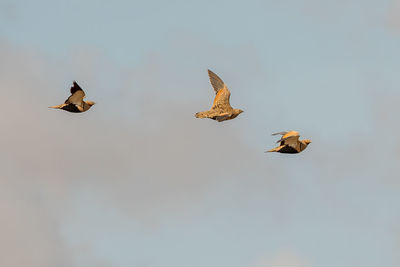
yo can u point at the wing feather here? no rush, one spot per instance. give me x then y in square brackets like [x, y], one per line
[77, 95]
[290, 138]
[281, 133]
[216, 82]
[221, 100]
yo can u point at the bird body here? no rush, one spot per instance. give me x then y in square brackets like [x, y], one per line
[75, 102]
[221, 109]
[290, 143]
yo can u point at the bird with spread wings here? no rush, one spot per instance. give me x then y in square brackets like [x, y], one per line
[221, 109]
[290, 143]
[75, 102]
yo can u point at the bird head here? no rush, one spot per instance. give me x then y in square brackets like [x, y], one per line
[236, 112]
[306, 141]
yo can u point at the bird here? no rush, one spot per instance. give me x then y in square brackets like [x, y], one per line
[221, 109]
[75, 102]
[290, 143]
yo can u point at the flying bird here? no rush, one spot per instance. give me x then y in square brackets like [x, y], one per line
[221, 110]
[75, 102]
[290, 143]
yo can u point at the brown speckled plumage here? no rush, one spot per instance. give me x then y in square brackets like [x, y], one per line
[221, 109]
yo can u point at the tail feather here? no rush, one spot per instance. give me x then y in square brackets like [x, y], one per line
[57, 107]
[201, 115]
[276, 149]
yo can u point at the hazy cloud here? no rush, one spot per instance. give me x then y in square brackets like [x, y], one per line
[156, 162]
[392, 18]
[283, 259]
[141, 151]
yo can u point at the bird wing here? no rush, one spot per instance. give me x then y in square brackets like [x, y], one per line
[222, 96]
[281, 133]
[77, 95]
[289, 138]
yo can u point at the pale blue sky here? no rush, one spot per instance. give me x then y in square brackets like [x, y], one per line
[138, 181]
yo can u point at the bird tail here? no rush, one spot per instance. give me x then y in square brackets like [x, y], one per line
[276, 149]
[201, 115]
[58, 106]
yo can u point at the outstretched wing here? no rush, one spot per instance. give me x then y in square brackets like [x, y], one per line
[289, 138]
[281, 133]
[77, 95]
[221, 99]
[216, 82]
